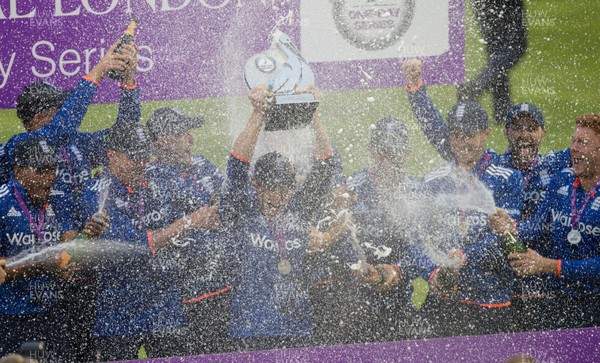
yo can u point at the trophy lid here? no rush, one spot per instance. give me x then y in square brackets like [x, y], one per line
[281, 66]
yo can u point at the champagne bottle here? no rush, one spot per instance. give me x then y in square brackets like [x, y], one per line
[126, 38]
[512, 243]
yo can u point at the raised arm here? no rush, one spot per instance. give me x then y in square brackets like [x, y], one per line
[428, 116]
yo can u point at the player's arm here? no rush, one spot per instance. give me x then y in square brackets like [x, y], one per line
[68, 118]
[428, 116]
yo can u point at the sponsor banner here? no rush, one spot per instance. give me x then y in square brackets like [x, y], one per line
[198, 48]
[578, 345]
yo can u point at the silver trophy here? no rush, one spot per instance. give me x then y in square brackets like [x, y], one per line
[283, 69]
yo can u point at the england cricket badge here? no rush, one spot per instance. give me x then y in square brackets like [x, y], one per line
[373, 24]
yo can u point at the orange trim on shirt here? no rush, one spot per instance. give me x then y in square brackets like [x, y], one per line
[416, 88]
[326, 156]
[559, 268]
[432, 275]
[207, 295]
[129, 88]
[151, 243]
[502, 305]
[90, 79]
[398, 270]
[239, 157]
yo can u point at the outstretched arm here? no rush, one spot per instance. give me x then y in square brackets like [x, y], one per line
[428, 116]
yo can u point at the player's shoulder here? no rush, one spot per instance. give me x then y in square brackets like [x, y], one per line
[503, 172]
[4, 191]
[358, 179]
[438, 174]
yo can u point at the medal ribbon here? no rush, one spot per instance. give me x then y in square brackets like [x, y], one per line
[529, 176]
[280, 240]
[576, 214]
[139, 211]
[37, 228]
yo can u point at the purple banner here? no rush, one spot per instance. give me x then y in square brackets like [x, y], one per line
[197, 48]
[581, 345]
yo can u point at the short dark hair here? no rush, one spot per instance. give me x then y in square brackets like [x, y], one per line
[591, 120]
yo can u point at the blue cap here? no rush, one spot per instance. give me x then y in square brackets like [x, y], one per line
[525, 109]
[467, 118]
[389, 135]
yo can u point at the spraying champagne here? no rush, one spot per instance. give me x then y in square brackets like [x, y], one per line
[126, 38]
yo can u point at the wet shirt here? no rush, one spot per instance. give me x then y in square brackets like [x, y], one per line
[266, 301]
[18, 236]
[87, 150]
[194, 258]
[133, 294]
[580, 262]
[537, 178]
[486, 277]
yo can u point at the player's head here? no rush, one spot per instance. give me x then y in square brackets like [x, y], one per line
[274, 180]
[34, 167]
[524, 131]
[171, 132]
[389, 145]
[38, 103]
[129, 151]
[585, 146]
[468, 126]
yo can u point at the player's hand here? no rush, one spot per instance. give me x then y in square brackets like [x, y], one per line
[310, 89]
[206, 217]
[258, 98]
[130, 51]
[97, 225]
[2, 271]
[413, 71]
[445, 282]
[501, 222]
[532, 263]
[110, 62]
[380, 278]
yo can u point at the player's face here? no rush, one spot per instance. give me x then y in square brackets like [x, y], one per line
[126, 169]
[273, 199]
[524, 138]
[37, 182]
[468, 149]
[387, 160]
[176, 149]
[42, 119]
[585, 152]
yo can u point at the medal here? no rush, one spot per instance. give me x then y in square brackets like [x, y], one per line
[574, 237]
[284, 266]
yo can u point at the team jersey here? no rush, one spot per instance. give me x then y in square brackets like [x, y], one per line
[133, 296]
[194, 258]
[536, 178]
[87, 150]
[267, 302]
[36, 294]
[580, 263]
[486, 277]
[78, 152]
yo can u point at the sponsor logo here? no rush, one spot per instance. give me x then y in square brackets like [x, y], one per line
[26, 239]
[565, 220]
[266, 243]
[14, 213]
